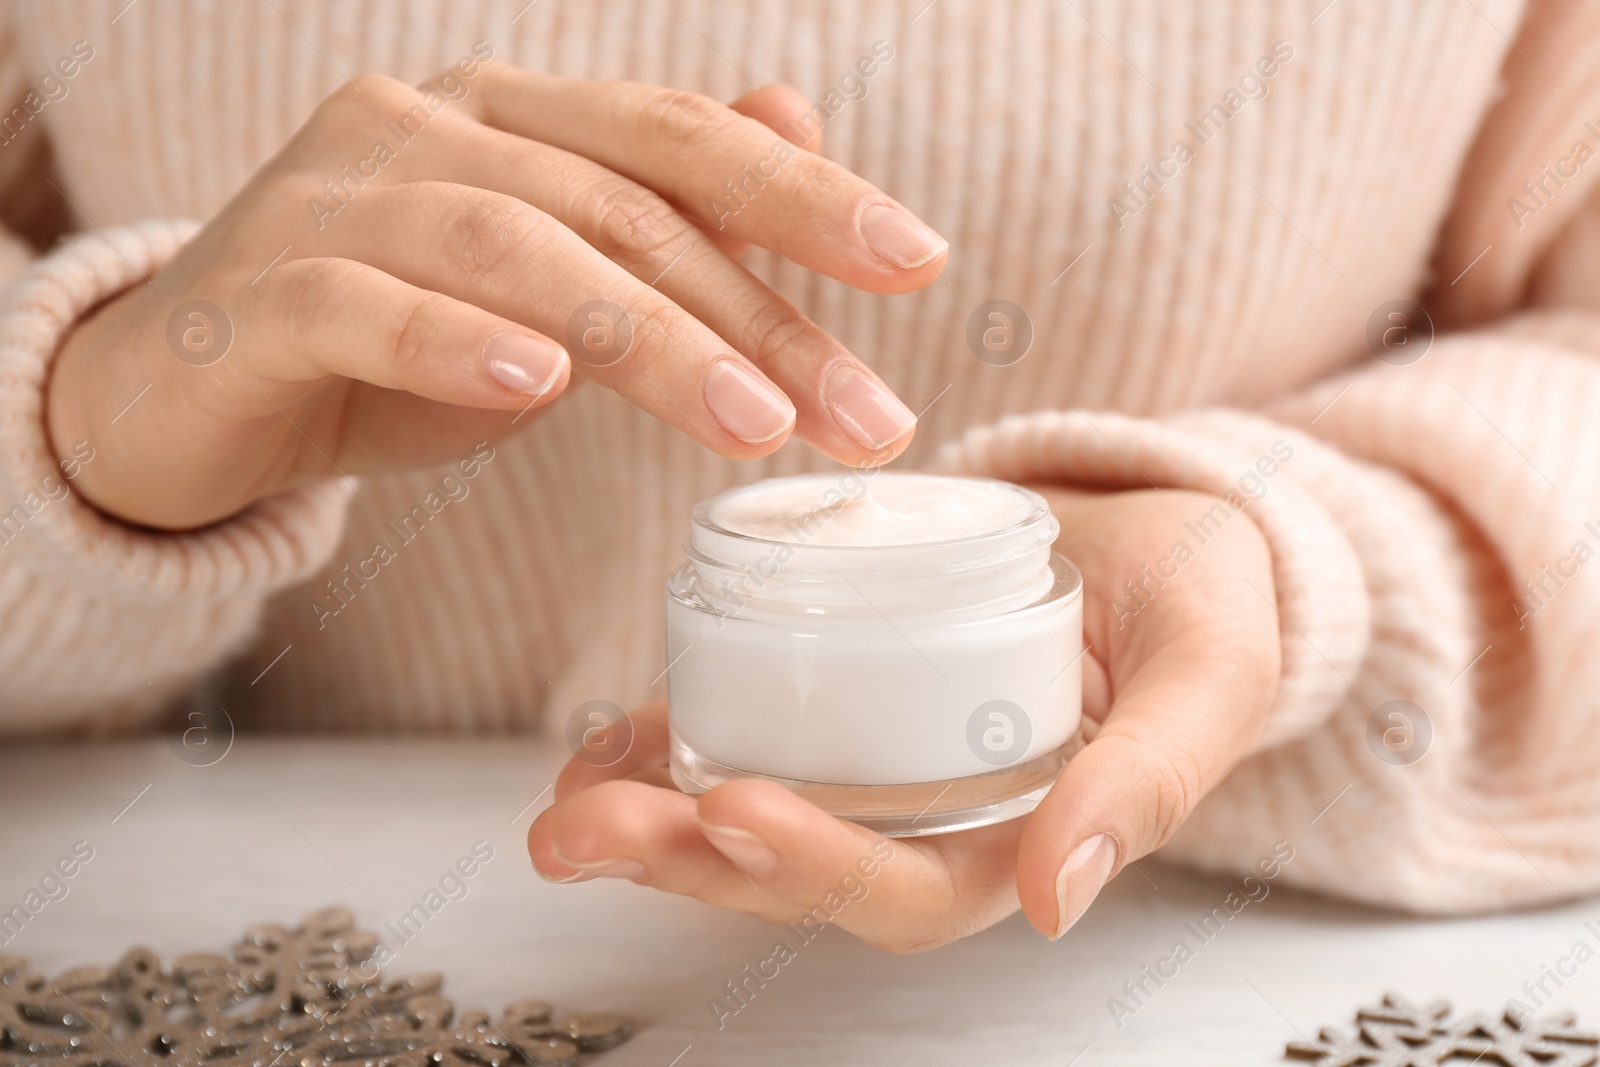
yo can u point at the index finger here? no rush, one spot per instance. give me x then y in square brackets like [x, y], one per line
[728, 172]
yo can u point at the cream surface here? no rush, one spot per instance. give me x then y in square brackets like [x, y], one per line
[877, 510]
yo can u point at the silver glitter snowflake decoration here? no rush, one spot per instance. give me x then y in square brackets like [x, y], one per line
[307, 997]
[1396, 1033]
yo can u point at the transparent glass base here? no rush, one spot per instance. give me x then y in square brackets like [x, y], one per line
[913, 810]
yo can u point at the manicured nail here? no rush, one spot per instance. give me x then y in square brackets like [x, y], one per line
[632, 870]
[744, 405]
[523, 364]
[898, 237]
[864, 409]
[1081, 879]
[575, 876]
[747, 851]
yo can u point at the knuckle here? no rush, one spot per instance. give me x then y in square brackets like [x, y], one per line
[480, 239]
[658, 330]
[352, 114]
[312, 294]
[776, 328]
[1171, 785]
[685, 118]
[632, 224]
[365, 96]
[497, 72]
[369, 85]
[416, 337]
[1179, 786]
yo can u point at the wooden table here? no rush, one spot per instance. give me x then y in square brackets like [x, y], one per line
[185, 857]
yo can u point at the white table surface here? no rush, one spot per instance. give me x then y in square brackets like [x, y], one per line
[281, 827]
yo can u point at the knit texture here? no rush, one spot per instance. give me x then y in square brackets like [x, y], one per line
[1191, 312]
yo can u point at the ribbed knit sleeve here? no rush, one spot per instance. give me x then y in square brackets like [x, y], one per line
[1431, 534]
[106, 623]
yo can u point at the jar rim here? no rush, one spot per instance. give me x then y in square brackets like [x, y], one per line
[686, 587]
[992, 571]
[701, 515]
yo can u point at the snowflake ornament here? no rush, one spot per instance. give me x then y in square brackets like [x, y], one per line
[307, 997]
[1397, 1033]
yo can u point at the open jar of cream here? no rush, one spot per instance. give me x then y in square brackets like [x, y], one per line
[901, 649]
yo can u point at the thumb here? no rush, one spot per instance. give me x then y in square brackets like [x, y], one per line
[1178, 727]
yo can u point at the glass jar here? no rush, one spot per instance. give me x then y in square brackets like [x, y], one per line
[901, 649]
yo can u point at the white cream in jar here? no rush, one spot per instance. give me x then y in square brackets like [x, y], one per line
[901, 648]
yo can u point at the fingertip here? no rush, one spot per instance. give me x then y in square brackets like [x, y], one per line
[905, 252]
[740, 451]
[1039, 902]
[529, 367]
[753, 412]
[866, 414]
[1055, 893]
[893, 450]
[778, 838]
[547, 862]
[905, 280]
[577, 829]
[1112, 805]
[744, 849]
[782, 108]
[748, 803]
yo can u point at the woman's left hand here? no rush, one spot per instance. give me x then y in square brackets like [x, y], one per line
[1177, 685]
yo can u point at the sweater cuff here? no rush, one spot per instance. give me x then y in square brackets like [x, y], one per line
[56, 533]
[1257, 467]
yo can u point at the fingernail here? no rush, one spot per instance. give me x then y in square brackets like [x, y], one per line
[575, 876]
[632, 870]
[747, 851]
[1081, 879]
[866, 410]
[523, 364]
[897, 236]
[744, 405]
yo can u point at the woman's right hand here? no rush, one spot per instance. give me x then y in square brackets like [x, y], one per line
[390, 308]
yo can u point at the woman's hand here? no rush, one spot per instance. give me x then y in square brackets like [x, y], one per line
[1176, 690]
[405, 277]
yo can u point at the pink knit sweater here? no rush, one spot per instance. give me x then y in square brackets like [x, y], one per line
[1193, 309]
